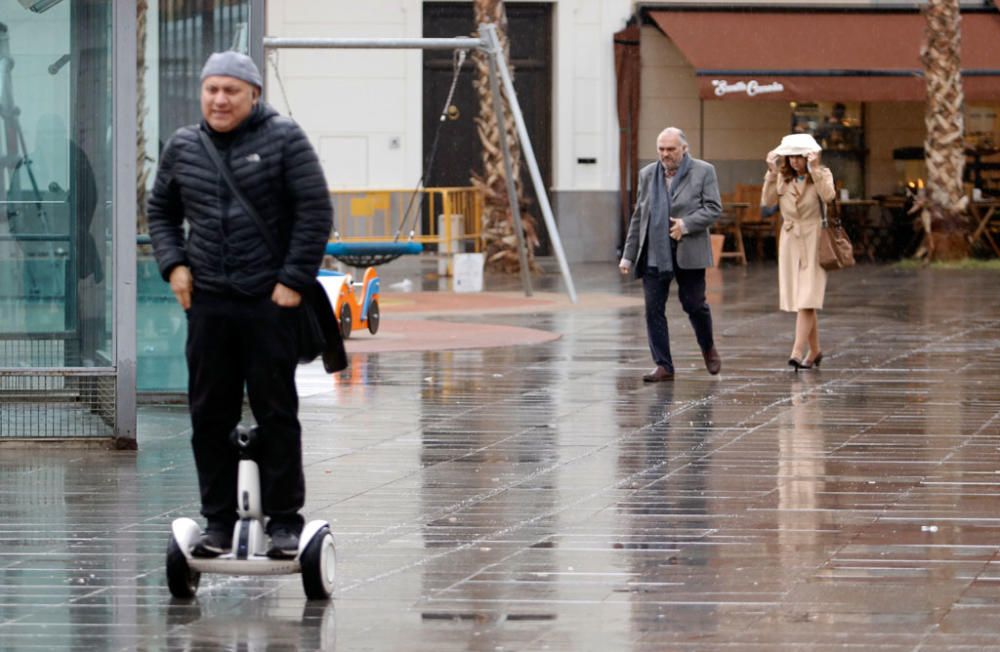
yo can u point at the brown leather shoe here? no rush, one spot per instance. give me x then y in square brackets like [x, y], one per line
[712, 360]
[658, 375]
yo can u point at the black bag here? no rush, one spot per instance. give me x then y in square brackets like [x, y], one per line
[319, 333]
[312, 341]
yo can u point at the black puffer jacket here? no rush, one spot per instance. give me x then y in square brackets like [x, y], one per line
[277, 170]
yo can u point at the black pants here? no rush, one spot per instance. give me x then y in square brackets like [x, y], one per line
[234, 342]
[691, 290]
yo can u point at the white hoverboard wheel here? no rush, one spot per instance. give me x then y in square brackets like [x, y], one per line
[318, 562]
[181, 579]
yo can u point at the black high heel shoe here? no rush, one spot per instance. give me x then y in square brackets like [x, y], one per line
[815, 361]
[797, 364]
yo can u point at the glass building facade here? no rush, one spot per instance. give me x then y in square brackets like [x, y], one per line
[62, 93]
[90, 91]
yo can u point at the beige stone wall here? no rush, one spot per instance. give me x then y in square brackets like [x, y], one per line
[733, 130]
[669, 93]
[744, 130]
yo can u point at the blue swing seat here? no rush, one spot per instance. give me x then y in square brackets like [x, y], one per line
[368, 254]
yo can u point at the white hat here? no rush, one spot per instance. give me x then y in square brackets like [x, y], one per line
[797, 145]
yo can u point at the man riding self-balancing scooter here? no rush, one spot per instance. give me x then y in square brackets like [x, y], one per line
[239, 216]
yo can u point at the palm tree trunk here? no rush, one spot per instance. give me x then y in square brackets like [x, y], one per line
[499, 237]
[141, 169]
[944, 210]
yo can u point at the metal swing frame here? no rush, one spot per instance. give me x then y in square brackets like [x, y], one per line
[489, 44]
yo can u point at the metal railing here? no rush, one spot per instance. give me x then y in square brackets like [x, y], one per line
[57, 403]
[449, 219]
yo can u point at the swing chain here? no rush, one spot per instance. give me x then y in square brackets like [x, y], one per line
[272, 58]
[458, 58]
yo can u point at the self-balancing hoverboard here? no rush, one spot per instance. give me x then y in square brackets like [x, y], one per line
[316, 558]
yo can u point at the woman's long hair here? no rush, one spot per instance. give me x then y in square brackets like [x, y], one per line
[788, 172]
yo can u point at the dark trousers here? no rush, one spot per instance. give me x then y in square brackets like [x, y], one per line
[234, 342]
[691, 290]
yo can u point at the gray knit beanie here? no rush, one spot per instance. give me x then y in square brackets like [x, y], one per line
[232, 64]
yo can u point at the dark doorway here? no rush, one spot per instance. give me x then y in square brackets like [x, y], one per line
[459, 151]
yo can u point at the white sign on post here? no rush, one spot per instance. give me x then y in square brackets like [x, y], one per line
[468, 272]
[449, 231]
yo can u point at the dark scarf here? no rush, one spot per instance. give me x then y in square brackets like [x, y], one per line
[660, 252]
[659, 221]
[682, 171]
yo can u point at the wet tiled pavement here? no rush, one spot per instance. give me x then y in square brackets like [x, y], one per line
[542, 497]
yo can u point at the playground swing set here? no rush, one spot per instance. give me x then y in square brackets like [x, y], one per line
[356, 303]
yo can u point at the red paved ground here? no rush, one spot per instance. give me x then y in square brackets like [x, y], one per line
[402, 330]
[428, 335]
[438, 303]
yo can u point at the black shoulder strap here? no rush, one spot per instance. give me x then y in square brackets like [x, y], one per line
[227, 176]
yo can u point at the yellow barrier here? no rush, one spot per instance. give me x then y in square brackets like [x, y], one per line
[375, 216]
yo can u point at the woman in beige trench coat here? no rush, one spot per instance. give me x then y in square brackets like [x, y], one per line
[796, 182]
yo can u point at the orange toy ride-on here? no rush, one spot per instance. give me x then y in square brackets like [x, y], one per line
[352, 312]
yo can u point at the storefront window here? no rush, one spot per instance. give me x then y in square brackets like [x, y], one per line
[982, 146]
[838, 128]
[55, 184]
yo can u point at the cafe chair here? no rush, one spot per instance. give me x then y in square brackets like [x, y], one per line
[755, 225]
[729, 226]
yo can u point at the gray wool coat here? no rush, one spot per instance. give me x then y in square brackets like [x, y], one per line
[694, 198]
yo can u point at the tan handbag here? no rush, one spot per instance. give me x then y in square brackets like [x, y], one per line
[835, 249]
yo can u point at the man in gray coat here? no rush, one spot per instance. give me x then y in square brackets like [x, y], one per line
[668, 238]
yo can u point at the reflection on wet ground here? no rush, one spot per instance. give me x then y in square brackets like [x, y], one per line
[544, 498]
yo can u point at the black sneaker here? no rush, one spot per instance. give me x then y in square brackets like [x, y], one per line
[216, 540]
[284, 542]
